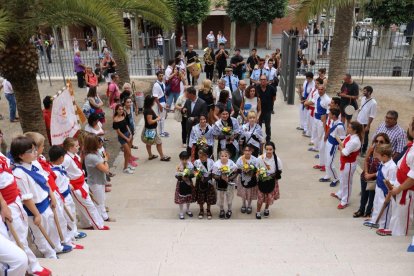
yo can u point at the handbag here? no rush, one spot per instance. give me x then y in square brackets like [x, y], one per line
[371, 184]
[149, 134]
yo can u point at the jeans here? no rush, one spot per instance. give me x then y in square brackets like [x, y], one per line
[366, 196]
[172, 97]
[12, 105]
[366, 140]
[211, 44]
[265, 118]
[81, 79]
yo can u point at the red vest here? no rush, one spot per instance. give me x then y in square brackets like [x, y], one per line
[11, 192]
[351, 158]
[402, 173]
[52, 176]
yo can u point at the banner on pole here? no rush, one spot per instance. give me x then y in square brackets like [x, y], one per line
[64, 122]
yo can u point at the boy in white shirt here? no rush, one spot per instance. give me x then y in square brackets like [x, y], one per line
[366, 115]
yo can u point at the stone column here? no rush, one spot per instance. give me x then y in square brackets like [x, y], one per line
[232, 35]
[99, 37]
[269, 36]
[67, 45]
[199, 36]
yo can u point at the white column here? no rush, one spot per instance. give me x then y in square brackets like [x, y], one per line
[99, 37]
[232, 36]
[269, 36]
[67, 45]
[134, 40]
[199, 36]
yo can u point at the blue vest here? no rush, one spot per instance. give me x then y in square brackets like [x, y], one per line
[332, 139]
[380, 181]
[306, 95]
[37, 177]
[319, 109]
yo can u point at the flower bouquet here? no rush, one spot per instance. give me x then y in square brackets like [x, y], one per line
[202, 141]
[185, 173]
[225, 170]
[249, 168]
[263, 175]
[199, 172]
[226, 131]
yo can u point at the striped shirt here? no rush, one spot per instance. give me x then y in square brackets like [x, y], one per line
[396, 134]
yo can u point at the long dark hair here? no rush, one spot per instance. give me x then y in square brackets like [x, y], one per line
[92, 92]
[270, 143]
[358, 128]
[224, 96]
[149, 102]
[116, 109]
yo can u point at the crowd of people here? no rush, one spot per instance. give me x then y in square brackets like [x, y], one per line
[338, 126]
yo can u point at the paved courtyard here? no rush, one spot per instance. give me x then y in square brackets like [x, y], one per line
[305, 234]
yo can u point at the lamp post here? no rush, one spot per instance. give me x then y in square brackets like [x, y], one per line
[148, 61]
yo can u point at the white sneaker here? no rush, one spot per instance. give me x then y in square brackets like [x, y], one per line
[184, 146]
[128, 171]
[132, 168]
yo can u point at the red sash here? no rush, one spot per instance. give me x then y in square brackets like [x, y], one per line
[11, 192]
[350, 158]
[51, 180]
[78, 185]
[402, 173]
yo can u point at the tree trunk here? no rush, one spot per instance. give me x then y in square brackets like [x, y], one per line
[121, 68]
[19, 65]
[338, 56]
[252, 35]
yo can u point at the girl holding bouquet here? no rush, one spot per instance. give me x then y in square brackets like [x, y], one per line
[252, 134]
[247, 186]
[269, 172]
[225, 172]
[205, 190]
[201, 136]
[184, 189]
[227, 130]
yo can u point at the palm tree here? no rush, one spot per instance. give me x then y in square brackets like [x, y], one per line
[338, 57]
[19, 59]
[160, 12]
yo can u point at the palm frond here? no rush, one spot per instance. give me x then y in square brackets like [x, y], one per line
[305, 9]
[5, 26]
[160, 12]
[95, 13]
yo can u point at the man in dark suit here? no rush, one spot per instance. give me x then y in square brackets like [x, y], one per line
[237, 97]
[193, 108]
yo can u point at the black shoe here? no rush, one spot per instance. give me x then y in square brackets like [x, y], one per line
[221, 215]
[266, 213]
[243, 210]
[189, 214]
[249, 210]
[273, 112]
[258, 216]
[228, 214]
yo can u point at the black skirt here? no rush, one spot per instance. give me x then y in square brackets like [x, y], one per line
[267, 186]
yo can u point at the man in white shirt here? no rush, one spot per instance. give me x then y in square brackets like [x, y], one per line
[9, 94]
[321, 108]
[211, 40]
[308, 86]
[366, 115]
[158, 92]
[221, 86]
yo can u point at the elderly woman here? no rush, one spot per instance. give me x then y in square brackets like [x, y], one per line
[94, 125]
[250, 102]
[127, 92]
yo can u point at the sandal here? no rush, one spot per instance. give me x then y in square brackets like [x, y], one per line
[358, 214]
[165, 158]
[189, 213]
[209, 216]
[152, 157]
[110, 220]
[134, 147]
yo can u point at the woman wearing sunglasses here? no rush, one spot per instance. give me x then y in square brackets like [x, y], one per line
[368, 176]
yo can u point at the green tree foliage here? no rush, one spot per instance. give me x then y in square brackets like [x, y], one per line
[390, 12]
[256, 11]
[192, 12]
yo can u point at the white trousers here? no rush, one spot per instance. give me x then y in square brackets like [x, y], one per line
[229, 196]
[13, 260]
[40, 241]
[306, 120]
[314, 133]
[21, 226]
[402, 215]
[322, 152]
[319, 134]
[309, 124]
[345, 182]
[70, 205]
[99, 195]
[384, 222]
[163, 114]
[301, 117]
[67, 239]
[89, 215]
[331, 171]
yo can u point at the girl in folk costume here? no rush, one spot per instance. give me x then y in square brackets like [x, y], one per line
[269, 173]
[201, 136]
[227, 130]
[184, 190]
[349, 149]
[204, 188]
[13, 260]
[41, 162]
[252, 134]
[225, 172]
[11, 195]
[387, 170]
[36, 195]
[247, 184]
[89, 215]
[57, 157]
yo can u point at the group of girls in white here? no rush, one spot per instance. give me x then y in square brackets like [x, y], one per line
[239, 166]
[41, 199]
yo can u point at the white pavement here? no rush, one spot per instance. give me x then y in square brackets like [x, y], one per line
[305, 234]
